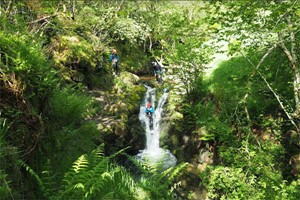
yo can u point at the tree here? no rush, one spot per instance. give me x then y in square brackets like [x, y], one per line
[264, 26]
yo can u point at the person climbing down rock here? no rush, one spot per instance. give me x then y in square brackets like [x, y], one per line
[149, 113]
[149, 109]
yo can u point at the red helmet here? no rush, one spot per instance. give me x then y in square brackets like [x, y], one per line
[148, 105]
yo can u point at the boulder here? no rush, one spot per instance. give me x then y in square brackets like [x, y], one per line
[295, 162]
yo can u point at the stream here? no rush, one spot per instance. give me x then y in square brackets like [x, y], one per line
[153, 154]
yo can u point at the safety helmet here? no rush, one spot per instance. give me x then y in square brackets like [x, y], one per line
[148, 105]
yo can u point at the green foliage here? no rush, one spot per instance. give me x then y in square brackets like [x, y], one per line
[206, 125]
[92, 177]
[96, 176]
[231, 183]
[4, 182]
[233, 79]
[12, 17]
[249, 172]
[250, 25]
[72, 48]
[288, 191]
[67, 107]
[160, 185]
[202, 116]
[175, 32]
[230, 83]
[25, 66]
[130, 30]
[67, 135]
[248, 168]
[4, 186]
[31, 172]
[65, 144]
[3, 131]
[181, 34]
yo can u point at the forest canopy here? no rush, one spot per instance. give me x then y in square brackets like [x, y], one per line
[69, 126]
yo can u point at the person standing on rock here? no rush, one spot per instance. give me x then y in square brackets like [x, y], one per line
[114, 59]
[157, 70]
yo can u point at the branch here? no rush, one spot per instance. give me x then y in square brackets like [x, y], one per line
[285, 50]
[73, 10]
[265, 56]
[120, 6]
[284, 14]
[42, 26]
[270, 88]
[41, 19]
[281, 104]
[249, 83]
[293, 42]
[8, 7]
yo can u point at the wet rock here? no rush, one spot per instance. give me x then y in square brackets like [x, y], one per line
[129, 78]
[118, 106]
[204, 156]
[201, 167]
[293, 137]
[295, 162]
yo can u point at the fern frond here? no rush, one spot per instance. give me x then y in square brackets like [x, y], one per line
[98, 153]
[80, 164]
[140, 166]
[175, 172]
[31, 172]
[79, 185]
[49, 181]
[119, 152]
[159, 184]
[95, 176]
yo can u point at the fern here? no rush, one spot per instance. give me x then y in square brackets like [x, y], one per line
[159, 185]
[4, 127]
[80, 164]
[95, 176]
[5, 190]
[28, 169]
[49, 181]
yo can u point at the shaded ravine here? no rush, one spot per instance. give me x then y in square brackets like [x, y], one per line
[153, 154]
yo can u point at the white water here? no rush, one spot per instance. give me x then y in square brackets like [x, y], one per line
[153, 154]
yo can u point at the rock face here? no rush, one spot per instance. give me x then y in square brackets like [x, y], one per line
[117, 118]
[295, 162]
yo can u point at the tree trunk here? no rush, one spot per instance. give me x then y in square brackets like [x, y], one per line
[73, 10]
[292, 57]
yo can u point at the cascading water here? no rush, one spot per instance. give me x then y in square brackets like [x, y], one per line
[153, 154]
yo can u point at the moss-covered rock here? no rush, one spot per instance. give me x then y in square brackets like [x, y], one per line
[118, 119]
[295, 162]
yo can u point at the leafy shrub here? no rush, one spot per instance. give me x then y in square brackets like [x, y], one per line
[96, 176]
[235, 78]
[68, 107]
[231, 183]
[4, 183]
[92, 176]
[69, 143]
[248, 171]
[25, 65]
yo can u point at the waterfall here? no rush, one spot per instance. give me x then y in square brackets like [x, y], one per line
[153, 154]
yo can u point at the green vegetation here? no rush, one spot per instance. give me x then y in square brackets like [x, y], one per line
[69, 128]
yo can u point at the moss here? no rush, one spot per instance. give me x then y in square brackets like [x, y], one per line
[133, 97]
[174, 140]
